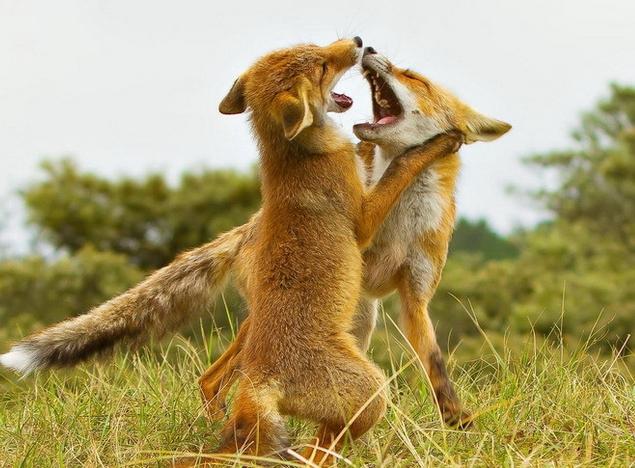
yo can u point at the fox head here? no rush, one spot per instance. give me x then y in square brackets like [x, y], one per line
[289, 91]
[409, 109]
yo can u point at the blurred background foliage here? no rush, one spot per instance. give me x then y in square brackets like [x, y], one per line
[572, 274]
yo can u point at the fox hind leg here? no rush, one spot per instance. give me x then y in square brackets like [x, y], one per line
[420, 333]
[215, 384]
[364, 321]
[319, 452]
[218, 379]
[346, 394]
[256, 426]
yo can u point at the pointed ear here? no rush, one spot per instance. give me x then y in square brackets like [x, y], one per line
[482, 128]
[293, 110]
[234, 102]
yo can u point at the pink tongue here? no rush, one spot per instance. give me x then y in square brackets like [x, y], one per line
[386, 120]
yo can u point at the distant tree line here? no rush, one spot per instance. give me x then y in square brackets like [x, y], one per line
[108, 233]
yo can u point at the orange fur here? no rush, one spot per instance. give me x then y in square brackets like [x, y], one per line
[298, 357]
[387, 266]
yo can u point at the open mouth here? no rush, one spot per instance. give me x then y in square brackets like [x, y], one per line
[386, 107]
[342, 101]
[338, 102]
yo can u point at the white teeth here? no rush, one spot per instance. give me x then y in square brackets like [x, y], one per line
[377, 96]
[365, 73]
[383, 103]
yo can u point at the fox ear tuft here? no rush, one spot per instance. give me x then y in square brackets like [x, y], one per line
[482, 128]
[234, 102]
[294, 110]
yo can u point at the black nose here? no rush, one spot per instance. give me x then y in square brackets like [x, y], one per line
[358, 41]
[369, 50]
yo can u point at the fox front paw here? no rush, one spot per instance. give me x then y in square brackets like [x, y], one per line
[452, 140]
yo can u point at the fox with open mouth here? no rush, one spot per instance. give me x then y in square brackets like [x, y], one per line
[409, 250]
[305, 264]
[407, 254]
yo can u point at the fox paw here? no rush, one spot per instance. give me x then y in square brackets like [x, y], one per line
[457, 417]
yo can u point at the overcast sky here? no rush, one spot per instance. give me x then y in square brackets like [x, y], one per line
[131, 86]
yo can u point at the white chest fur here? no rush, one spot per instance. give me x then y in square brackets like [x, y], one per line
[419, 210]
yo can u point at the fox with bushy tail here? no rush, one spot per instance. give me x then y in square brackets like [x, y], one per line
[159, 304]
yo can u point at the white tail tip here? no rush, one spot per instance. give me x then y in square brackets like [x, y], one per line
[19, 359]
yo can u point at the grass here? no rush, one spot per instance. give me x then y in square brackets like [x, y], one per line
[536, 407]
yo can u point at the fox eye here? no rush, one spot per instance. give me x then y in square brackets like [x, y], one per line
[408, 74]
[325, 68]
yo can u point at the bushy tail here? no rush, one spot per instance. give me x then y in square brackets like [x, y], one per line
[160, 303]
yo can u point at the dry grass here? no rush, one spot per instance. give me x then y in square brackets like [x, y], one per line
[534, 408]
